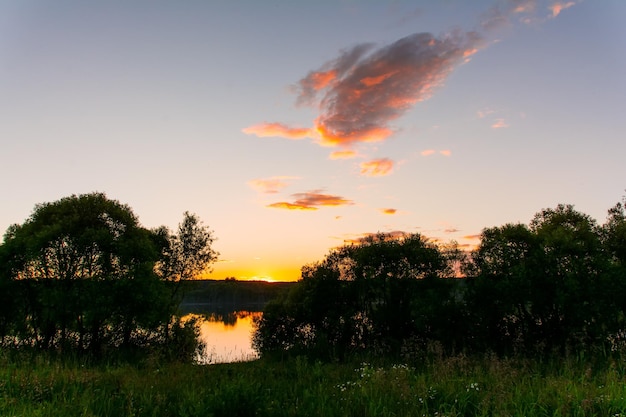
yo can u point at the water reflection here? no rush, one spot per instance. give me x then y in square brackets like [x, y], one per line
[227, 335]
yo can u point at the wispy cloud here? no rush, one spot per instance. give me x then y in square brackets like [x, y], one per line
[389, 211]
[377, 167]
[311, 200]
[345, 154]
[429, 152]
[502, 12]
[484, 113]
[472, 237]
[271, 185]
[278, 130]
[524, 6]
[557, 7]
[290, 206]
[499, 124]
[363, 237]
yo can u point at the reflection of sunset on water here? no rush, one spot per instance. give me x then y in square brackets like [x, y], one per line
[228, 337]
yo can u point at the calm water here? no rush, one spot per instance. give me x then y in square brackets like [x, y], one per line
[227, 335]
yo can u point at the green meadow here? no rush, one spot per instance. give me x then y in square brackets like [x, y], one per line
[40, 385]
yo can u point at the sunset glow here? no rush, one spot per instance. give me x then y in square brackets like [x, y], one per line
[438, 118]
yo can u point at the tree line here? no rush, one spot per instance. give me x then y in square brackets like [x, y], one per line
[554, 286]
[82, 274]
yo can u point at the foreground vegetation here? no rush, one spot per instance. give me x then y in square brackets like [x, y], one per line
[436, 386]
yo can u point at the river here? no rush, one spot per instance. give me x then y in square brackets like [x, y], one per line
[227, 335]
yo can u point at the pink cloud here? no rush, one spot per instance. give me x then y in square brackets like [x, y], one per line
[377, 167]
[271, 185]
[499, 124]
[557, 7]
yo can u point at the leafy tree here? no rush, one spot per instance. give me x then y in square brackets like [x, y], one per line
[361, 297]
[187, 253]
[614, 233]
[574, 266]
[614, 242]
[502, 273]
[82, 270]
[540, 287]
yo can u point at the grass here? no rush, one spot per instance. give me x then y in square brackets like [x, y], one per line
[458, 386]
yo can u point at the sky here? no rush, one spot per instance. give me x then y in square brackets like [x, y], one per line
[293, 127]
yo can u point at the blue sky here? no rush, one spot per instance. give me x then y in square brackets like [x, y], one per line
[161, 104]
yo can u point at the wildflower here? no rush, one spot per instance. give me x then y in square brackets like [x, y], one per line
[473, 386]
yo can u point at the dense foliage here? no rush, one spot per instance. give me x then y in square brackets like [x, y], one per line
[82, 274]
[554, 286]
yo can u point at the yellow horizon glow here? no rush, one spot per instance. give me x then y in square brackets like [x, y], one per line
[254, 273]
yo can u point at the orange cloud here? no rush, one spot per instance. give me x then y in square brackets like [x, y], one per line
[499, 124]
[290, 206]
[445, 152]
[364, 89]
[557, 7]
[327, 138]
[322, 79]
[388, 210]
[363, 237]
[311, 201]
[472, 237]
[347, 154]
[270, 185]
[278, 130]
[377, 167]
[372, 81]
[427, 152]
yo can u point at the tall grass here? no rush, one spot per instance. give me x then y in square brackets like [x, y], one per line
[457, 386]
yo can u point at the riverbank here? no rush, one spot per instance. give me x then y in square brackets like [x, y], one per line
[457, 386]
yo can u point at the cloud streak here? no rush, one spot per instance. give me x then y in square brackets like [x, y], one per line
[271, 185]
[499, 124]
[263, 130]
[557, 7]
[377, 167]
[311, 200]
[345, 154]
[364, 237]
[429, 152]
